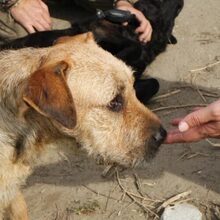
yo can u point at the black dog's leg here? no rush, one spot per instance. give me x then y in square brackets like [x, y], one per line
[172, 39]
[44, 38]
[145, 89]
[132, 56]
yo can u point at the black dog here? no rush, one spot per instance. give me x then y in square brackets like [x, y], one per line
[122, 41]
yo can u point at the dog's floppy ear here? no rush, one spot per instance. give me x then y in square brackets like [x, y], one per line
[48, 93]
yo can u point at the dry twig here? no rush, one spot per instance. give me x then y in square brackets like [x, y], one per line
[211, 95]
[57, 212]
[209, 92]
[197, 154]
[200, 94]
[125, 207]
[108, 171]
[205, 67]
[133, 198]
[197, 171]
[166, 95]
[213, 144]
[110, 191]
[144, 198]
[178, 106]
[173, 200]
[138, 184]
[205, 92]
[101, 194]
[216, 210]
[183, 155]
[183, 201]
[189, 155]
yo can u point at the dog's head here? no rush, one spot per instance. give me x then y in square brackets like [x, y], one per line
[88, 94]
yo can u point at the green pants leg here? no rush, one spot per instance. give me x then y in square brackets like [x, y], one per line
[10, 29]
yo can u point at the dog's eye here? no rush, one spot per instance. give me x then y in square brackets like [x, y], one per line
[116, 104]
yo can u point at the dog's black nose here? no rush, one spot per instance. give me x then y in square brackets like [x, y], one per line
[159, 136]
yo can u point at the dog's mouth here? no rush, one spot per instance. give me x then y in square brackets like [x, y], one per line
[135, 157]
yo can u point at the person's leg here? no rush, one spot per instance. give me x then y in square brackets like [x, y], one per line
[10, 29]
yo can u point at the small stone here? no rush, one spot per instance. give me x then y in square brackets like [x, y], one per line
[182, 211]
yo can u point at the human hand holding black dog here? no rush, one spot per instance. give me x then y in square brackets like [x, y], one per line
[145, 28]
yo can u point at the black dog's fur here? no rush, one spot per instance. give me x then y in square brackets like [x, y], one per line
[120, 40]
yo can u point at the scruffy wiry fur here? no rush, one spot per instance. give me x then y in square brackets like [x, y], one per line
[72, 90]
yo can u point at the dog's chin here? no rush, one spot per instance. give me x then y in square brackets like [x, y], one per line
[152, 148]
[122, 162]
[151, 154]
[128, 160]
[112, 167]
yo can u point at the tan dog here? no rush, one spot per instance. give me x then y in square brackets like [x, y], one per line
[76, 90]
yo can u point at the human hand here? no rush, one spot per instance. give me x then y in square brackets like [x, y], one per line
[145, 29]
[33, 15]
[202, 123]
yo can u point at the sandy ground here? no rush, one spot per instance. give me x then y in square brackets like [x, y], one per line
[73, 187]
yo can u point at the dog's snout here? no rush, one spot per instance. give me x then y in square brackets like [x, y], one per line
[159, 136]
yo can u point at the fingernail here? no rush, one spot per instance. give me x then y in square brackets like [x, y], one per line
[183, 126]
